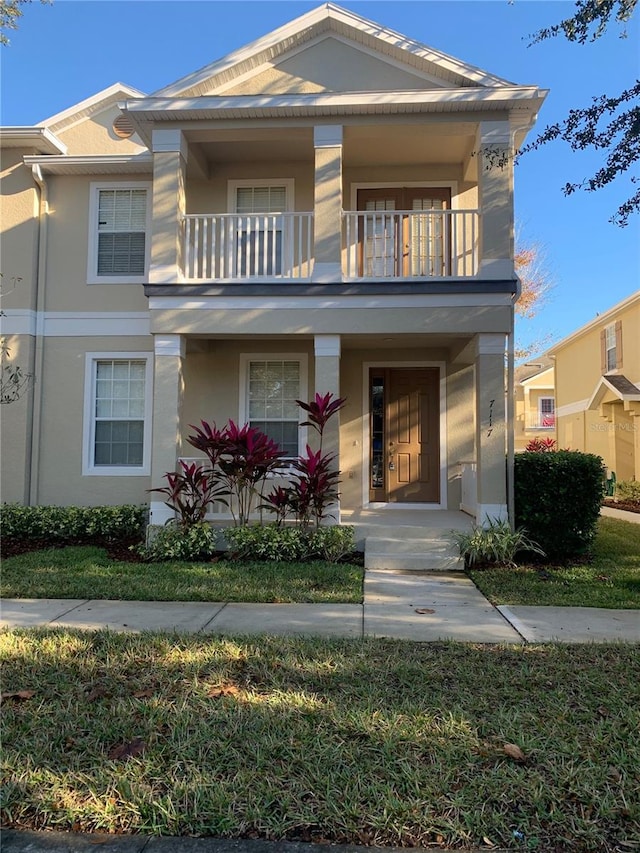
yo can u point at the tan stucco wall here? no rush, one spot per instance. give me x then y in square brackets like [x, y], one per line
[95, 135]
[66, 286]
[19, 204]
[212, 196]
[62, 388]
[330, 65]
[15, 423]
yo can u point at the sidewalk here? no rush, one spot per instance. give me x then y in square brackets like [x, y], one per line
[418, 607]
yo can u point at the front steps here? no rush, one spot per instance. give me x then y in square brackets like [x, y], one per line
[431, 552]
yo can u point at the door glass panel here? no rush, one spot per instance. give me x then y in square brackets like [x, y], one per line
[427, 238]
[380, 238]
[377, 432]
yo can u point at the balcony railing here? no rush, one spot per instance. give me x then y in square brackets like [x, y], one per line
[376, 244]
[538, 420]
[246, 246]
[411, 244]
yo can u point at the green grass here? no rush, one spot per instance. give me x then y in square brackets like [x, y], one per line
[87, 572]
[377, 742]
[611, 579]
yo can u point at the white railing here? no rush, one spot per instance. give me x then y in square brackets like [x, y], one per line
[536, 420]
[248, 246]
[410, 243]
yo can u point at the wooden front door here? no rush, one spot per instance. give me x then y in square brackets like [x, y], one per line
[405, 435]
[414, 242]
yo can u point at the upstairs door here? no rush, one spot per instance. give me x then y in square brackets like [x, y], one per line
[396, 244]
[405, 435]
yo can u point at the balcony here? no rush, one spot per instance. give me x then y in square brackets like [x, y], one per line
[540, 420]
[396, 244]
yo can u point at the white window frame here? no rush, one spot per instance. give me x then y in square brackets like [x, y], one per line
[89, 468]
[610, 336]
[542, 415]
[246, 358]
[92, 256]
[289, 189]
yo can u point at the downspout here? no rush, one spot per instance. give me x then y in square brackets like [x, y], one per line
[38, 384]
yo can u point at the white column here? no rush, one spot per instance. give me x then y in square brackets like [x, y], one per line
[327, 217]
[495, 198]
[170, 152]
[327, 379]
[491, 428]
[168, 387]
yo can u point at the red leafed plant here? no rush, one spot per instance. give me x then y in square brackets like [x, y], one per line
[320, 409]
[189, 492]
[541, 445]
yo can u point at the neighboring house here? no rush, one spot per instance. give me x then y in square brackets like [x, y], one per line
[320, 210]
[597, 381]
[535, 407]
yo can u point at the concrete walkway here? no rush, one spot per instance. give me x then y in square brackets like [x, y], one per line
[419, 607]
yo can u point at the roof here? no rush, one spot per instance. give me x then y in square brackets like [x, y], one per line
[599, 320]
[619, 386]
[39, 139]
[94, 104]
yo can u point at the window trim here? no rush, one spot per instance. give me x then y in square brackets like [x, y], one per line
[89, 468]
[287, 183]
[92, 255]
[610, 333]
[542, 415]
[243, 409]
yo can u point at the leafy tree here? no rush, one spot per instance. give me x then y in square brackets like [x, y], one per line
[10, 14]
[537, 284]
[610, 123]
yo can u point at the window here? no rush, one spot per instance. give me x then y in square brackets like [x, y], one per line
[547, 412]
[273, 383]
[259, 227]
[119, 247]
[117, 414]
[610, 348]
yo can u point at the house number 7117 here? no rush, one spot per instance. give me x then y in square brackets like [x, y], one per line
[490, 430]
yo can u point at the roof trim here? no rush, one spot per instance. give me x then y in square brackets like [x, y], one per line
[39, 138]
[601, 389]
[96, 103]
[599, 320]
[106, 164]
[536, 375]
[329, 17]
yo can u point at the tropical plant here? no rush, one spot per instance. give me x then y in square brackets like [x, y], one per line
[541, 445]
[191, 490]
[493, 544]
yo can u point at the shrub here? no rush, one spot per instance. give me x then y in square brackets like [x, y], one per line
[332, 543]
[541, 445]
[177, 542]
[557, 499]
[289, 544]
[190, 490]
[267, 542]
[495, 544]
[628, 490]
[60, 524]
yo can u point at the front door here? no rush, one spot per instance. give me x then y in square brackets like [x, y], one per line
[405, 436]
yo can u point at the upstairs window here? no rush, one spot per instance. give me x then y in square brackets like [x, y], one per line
[611, 345]
[546, 412]
[260, 226]
[120, 229]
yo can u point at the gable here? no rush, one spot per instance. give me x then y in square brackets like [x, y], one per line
[95, 135]
[397, 61]
[331, 65]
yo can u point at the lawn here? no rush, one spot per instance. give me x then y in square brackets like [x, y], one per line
[377, 742]
[88, 572]
[610, 579]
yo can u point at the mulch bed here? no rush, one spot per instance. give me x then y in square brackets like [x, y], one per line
[627, 506]
[116, 550]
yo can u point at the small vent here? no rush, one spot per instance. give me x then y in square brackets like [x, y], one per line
[123, 127]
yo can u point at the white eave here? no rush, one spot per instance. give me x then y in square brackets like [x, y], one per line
[526, 100]
[330, 18]
[90, 106]
[605, 386]
[40, 139]
[109, 164]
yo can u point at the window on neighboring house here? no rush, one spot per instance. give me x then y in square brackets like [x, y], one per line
[272, 386]
[547, 412]
[611, 347]
[117, 414]
[260, 227]
[120, 228]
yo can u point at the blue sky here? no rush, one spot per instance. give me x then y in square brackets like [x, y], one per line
[67, 51]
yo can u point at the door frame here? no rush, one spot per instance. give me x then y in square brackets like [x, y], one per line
[366, 438]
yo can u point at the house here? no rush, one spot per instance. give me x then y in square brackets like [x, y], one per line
[597, 382]
[329, 208]
[535, 408]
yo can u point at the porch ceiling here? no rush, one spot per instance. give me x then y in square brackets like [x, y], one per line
[454, 343]
[364, 145]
